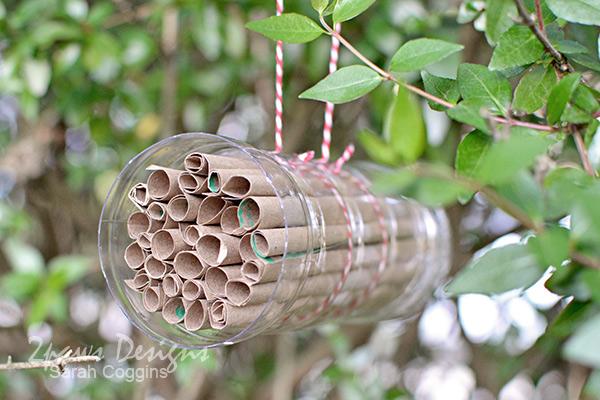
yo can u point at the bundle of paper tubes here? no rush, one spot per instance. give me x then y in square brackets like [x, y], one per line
[210, 243]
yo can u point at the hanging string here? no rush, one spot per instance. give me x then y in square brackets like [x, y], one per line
[279, 87]
[329, 107]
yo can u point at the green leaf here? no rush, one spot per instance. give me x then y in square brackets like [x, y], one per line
[497, 271]
[584, 347]
[469, 112]
[404, 128]
[488, 88]
[517, 46]
[585, 217]
[585, 12]
[524, 192]
[585, 99]
[20, 285]
[560, 96]
[500, 16]
[348, 9]
[344, 85]
[533, 89]
[587, 61]
[288, 27]
[444, 88]
[471, 151]
[419, 53]
[319, 5]
[435, 191]
[507, 157]
[377, 149]
[551, 247]
[64, 270]
[564, 186]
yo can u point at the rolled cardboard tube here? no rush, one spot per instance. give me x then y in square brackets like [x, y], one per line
[246, 250]
[153, 298]
[274, 242]
[134, 256]
[244, 185]
[241, 293]
[172, 285]
[192, 289]
[229, 221]
[173, 310]
[216, 314]
[268, 212]
[333, 211]
[210, 210]
[196, 316]
[223, 315]
[188, 265]
[145, 241]
[139, 195]
[194, 232]
[192, 184]
[217, 277]
[139, 282]
[168, 223]
[210, 296]
[162, 183]
[166, 243]
[157, 211]
[184, 207]
[155, 268]
[259, 271]
[219, 249]
[219, 177]
[194, 162]
[214, 162]
[137, 223]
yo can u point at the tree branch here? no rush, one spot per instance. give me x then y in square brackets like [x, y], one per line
[583, 154]
[540, 16]
[388, 76]
[561, 62]
[58, 363]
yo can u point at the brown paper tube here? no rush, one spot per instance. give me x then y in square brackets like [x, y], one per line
[216, 162]
[188, 265]
[184, 207]
[139, 195]
[166, 243]
[216, 314]
[168, 223]
[229, 221]
[210, 210]
[162, 183]
[139, 282]
[333, 212]
[157, 211]
[172, 285]
[259, 271]
[246, 250]
[196, 316]
[217, 277]
[219, 249]
[194, 232]
[241, 186]
[210, 296]
[241, 293]
[218, 178]
[137, 223]
[192, 289]
[272, 242]
[192, 184]
[153, 298]
[225, 315]
[155, 269]
[267, 212]
[135, 256]
[194, 163]
[174, 311]
[145, 241]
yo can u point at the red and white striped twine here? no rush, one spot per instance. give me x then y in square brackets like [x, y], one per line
[279, 88]
[329, 107]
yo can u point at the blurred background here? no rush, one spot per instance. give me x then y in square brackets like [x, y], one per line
[85, 85]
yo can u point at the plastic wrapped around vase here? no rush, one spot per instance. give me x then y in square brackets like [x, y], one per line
[206, 241]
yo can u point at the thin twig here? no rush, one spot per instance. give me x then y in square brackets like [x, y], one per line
[58, 363]
[561, 61]
[583, 153]
[388, 76]
[540, 15]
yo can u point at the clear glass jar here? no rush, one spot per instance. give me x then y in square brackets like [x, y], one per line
[370, 259]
